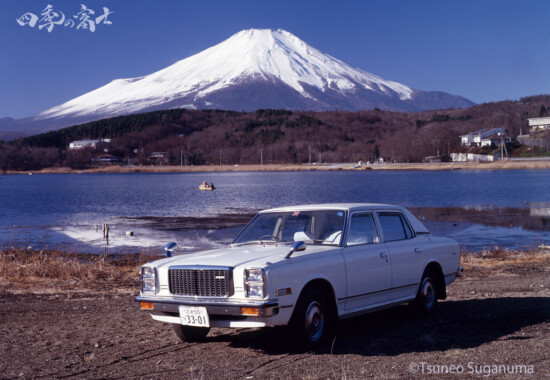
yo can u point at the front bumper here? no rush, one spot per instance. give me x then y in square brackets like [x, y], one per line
[221, 313]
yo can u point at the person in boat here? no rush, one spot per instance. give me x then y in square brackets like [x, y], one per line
[204, 183]
[212, 185]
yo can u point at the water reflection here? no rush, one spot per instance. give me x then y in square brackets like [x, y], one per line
[49, 210]
[540, 209]
[482, 227]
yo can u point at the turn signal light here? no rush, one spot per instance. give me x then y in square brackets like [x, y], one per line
[147, 306]
[250, 311]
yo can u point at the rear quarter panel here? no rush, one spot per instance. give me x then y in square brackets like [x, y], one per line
[446, 252]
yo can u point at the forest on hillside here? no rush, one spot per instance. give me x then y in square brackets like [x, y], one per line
[214, 137]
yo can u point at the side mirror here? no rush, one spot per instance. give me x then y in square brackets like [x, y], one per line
[297, 246]
[169, 248]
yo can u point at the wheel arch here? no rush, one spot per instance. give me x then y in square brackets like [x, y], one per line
[324, 287]
[435, 269]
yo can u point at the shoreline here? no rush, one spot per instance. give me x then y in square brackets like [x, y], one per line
[498, 165]
[485, 227]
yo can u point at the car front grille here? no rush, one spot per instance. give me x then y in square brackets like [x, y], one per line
[200, 282]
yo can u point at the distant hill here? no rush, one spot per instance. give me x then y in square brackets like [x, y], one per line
[211, 136]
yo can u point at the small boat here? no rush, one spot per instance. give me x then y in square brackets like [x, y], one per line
[202, 187]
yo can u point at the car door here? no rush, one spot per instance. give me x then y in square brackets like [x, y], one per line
[368, 268]
[405, 250]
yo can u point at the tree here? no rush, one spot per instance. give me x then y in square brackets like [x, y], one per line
[376, 152]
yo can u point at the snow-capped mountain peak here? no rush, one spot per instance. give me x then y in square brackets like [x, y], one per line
[254, 68]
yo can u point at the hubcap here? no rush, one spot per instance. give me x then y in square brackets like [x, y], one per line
[428, 294]
[315, 321]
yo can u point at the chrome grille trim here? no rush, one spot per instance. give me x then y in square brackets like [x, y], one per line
[201, 281]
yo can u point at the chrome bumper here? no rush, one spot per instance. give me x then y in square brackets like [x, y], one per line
[170, 305]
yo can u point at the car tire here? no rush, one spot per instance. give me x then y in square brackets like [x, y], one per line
[312, 322]
[426, 298]
[190, 334]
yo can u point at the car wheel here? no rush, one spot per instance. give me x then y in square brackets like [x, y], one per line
[426, 299]
[312, 322]
[190, 333]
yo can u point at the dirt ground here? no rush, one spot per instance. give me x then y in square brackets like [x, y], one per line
[496, 320]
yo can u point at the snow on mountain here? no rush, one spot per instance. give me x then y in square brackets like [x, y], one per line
[255, 68]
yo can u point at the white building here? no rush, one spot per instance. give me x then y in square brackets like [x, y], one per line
[486, 137]
[87, 143]
[539, 123]
[474, 157]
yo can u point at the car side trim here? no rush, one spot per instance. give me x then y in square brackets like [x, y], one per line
[373, 309]
[378, 291]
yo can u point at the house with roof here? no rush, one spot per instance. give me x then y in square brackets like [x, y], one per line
[158, 158]
[105, 159]
[486, 137]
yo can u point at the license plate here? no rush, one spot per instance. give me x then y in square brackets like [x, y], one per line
[194, 316]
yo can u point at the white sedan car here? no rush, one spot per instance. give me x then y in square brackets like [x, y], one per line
[303, 266]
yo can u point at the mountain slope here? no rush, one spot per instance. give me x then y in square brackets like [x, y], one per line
[250, 70]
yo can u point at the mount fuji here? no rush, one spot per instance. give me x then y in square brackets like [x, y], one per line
[255, 68]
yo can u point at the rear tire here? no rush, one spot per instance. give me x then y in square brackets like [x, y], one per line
[313, 320]
[190, 334]
[426, 298]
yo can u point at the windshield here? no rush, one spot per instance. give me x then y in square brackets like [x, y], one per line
[314, 227]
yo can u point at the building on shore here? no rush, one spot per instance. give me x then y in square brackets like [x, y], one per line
[81, 144]
[474, 154]
[105, 160]
[486, 137]
[158, 158]
[537, 124]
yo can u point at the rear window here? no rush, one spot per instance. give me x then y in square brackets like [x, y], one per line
[394, 226]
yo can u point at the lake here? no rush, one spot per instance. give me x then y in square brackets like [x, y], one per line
[509, 208]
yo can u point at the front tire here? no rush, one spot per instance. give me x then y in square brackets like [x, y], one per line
[313, 321]
[190, 334]
[426, 298]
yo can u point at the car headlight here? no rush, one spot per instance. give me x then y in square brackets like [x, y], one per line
[254, 283]
[148, 281]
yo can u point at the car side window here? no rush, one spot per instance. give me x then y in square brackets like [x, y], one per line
[394, 226]
[408, 230]
[362, 230]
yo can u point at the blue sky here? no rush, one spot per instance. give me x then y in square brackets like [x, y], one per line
[484, 50]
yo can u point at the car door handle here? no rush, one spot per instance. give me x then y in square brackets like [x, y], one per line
[384, 256]
[417, 250]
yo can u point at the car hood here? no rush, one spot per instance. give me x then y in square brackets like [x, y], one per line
[252, 255]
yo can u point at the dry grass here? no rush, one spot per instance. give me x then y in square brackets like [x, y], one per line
[498, 257]
[497, 165]
[58, 272]
[184, 169]
[305, 167]
[54, 271]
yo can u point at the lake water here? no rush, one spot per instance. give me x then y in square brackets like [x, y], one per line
[63, 209]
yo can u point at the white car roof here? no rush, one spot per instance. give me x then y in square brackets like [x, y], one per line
[334, 206]
[416, 224]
